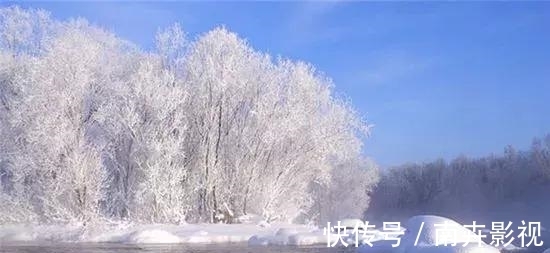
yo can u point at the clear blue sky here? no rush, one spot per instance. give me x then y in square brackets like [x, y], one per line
[436, 79]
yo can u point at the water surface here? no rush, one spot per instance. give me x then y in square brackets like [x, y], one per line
[176, 248]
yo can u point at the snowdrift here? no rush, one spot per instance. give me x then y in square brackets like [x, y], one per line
[426, 242]
[299, 236]
[255, 234]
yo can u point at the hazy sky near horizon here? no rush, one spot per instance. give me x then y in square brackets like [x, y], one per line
[436, 79]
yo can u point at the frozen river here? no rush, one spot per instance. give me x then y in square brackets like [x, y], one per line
[180, 248]
[176, 248]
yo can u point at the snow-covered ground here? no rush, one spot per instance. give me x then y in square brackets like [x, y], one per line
[254, 232]
[159, 233]
[251, 230]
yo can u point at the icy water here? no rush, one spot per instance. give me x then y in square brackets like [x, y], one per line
[119, 248]
[217, 248]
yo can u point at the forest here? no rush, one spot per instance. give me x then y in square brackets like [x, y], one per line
[512, 186]
[94, 128]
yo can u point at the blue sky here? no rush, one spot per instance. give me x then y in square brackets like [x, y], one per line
[436, 79]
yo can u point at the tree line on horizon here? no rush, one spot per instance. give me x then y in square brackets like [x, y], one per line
[511, 185]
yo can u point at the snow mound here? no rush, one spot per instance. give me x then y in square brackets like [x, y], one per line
[152, 236]
[427, 240]
[428, 226]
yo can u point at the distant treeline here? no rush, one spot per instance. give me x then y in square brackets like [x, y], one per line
[515, 183]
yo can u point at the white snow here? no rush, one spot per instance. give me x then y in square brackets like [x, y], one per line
[426, 242]
[511, 247]
[303, 235]
[351, 223]
[152, 236]
[255, 234]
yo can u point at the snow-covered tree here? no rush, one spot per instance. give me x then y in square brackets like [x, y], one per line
[60, 160]
[93, 127]
[346, 195]
[148, 113]
[25, 31]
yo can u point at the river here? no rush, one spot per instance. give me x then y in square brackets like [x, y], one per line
[175, 248]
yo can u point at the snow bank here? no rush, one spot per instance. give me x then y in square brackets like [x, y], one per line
[152, 236]
[27, 233]
[301, 236]
[426, 242]
[254, 233]
[261, 234]
[427, 225]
